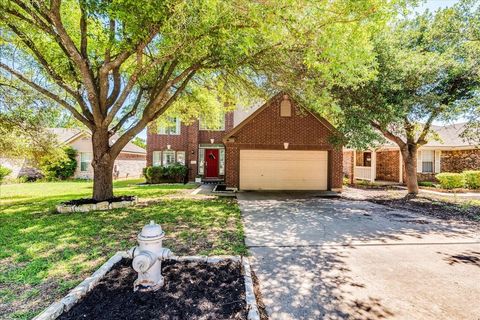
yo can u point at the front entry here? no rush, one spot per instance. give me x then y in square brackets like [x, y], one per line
[211, 163]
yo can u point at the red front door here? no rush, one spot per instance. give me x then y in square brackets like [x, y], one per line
[211, 163]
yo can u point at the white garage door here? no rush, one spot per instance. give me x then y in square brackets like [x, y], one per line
[283, 170]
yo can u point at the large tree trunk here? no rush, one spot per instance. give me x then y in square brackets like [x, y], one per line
[410, 157]
[102, 166]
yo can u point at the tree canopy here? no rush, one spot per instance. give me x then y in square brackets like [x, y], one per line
[122, 64]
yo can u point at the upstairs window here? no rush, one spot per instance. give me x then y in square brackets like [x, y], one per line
[218, 125]
[170, 126]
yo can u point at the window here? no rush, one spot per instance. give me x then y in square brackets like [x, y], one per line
[201, 161]
[428, 157]
[85, 160]
[157, 158]
[221, 168]
[218, 125]
[168, 157]
[170, 126]
[181, 157]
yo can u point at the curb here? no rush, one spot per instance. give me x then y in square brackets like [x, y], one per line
[53, 311]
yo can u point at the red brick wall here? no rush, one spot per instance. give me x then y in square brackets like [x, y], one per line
[348, 165]
[130, 156]
[388, 165]
[267, 130]
[188, 140]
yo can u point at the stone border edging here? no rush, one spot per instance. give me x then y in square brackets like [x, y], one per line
[53, 311]
[100, 206]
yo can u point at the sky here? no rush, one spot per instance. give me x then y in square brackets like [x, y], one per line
[431, 5]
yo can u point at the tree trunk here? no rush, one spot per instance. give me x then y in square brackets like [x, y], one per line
[102, 166]
[410, 158]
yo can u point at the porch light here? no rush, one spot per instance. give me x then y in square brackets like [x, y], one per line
[285, 145]
[168, 146]
[212, 141]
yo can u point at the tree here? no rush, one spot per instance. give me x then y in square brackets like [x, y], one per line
[139, 142]
[422, 77]
[61, 165]
[118, 63]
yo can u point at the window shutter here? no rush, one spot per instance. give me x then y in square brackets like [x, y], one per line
[419, 161]
[438, 155]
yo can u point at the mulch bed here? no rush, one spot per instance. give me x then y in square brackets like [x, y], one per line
[458, 190]
[437, 209]
[192, 290]
[78, 202]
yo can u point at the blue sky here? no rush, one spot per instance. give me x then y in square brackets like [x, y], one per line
[431, 5]
[435, 4]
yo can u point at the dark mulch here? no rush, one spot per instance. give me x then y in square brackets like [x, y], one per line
[192, 290]
[78, 202]
[438, 209]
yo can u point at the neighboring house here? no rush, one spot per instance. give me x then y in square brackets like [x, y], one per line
[129, 163]
[276, 146]
[450, 153]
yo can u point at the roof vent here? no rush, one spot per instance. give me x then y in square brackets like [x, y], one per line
[285, 107]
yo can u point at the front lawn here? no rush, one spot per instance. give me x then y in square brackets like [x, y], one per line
[45, 254]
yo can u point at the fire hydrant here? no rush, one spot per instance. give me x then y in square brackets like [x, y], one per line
[147, 258]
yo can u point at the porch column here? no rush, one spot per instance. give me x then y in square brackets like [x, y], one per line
[373, 167]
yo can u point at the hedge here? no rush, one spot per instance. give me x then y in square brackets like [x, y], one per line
[166, 174]
[450, 180]
[472, 179]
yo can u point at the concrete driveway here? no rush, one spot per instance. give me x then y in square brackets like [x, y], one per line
[341, 259]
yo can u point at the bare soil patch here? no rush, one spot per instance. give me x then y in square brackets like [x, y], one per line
[429, 205]
[192, 290]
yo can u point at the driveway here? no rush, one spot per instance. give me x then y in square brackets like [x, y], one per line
[319, 258]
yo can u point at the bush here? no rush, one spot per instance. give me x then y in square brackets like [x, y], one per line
[60, 166]
[166, 174]
[472, 179]
[4, 171]
[450, 180]
[426, 184]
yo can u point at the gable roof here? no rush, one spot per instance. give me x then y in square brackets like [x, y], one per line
[258, 110]
[67, 135]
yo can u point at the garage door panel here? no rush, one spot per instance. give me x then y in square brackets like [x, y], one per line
[283, 170]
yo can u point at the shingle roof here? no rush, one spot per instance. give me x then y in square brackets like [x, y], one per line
[66, 134]
[447, 136]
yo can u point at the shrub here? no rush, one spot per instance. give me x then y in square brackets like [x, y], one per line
[472, 179]
[450, 180]
[426, 184]
[4, 171]
[166, 174]
[61, 165]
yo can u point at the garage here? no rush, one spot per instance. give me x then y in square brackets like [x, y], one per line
[283, 170]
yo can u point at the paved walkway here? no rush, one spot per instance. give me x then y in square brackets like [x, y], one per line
[339, 259]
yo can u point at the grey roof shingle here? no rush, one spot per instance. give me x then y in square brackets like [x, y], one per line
[65, 134]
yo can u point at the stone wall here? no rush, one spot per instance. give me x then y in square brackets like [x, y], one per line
[460, 160]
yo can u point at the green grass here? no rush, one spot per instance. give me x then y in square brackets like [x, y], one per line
[45, 254]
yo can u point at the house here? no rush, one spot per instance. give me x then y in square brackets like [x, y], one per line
[129, 163]
[275, 146]
[448, 153]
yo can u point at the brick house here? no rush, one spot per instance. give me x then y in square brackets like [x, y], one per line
[276, 146]
[450, 153]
